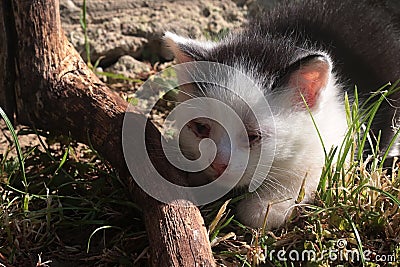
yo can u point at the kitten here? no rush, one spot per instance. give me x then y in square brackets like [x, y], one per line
[309, 51]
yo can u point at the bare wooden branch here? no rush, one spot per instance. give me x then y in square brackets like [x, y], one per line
[56, 91]
[7, 72]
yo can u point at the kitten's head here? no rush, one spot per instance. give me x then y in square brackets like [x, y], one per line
[288, 77]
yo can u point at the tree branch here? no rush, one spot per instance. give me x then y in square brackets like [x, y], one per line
[56, 91]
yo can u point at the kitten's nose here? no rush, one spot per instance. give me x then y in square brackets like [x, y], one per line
[219, 167]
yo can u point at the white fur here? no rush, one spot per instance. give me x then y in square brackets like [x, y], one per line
[172, 39]
[174, 42]
[299, 155]
[299, 152]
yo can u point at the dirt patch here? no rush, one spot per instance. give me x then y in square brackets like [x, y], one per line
[135, 27]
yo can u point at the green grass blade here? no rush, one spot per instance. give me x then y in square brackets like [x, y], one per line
[315, 125]
[84, 25]
[117, 76]
[390, 196]
[358, 238]
[17, 146]
[63, 160]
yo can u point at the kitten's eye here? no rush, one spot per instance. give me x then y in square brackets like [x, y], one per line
[200, 129]
[254, 138]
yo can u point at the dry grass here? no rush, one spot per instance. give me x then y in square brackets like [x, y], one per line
[74, 209]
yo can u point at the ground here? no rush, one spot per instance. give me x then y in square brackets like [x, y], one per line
[78, 213]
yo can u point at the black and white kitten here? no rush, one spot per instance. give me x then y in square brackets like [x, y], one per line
[312, 49]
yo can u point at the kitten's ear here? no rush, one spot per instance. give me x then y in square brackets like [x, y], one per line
[185, 49]
[309, 76]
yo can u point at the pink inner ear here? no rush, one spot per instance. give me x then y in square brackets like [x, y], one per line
[310, 80]
[180, 56]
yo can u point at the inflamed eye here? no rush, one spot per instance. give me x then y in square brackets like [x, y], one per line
[201, 130]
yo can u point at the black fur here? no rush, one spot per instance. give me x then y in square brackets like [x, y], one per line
[360, 36]
[362, 40]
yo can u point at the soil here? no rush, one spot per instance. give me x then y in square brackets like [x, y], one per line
[136, 27]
